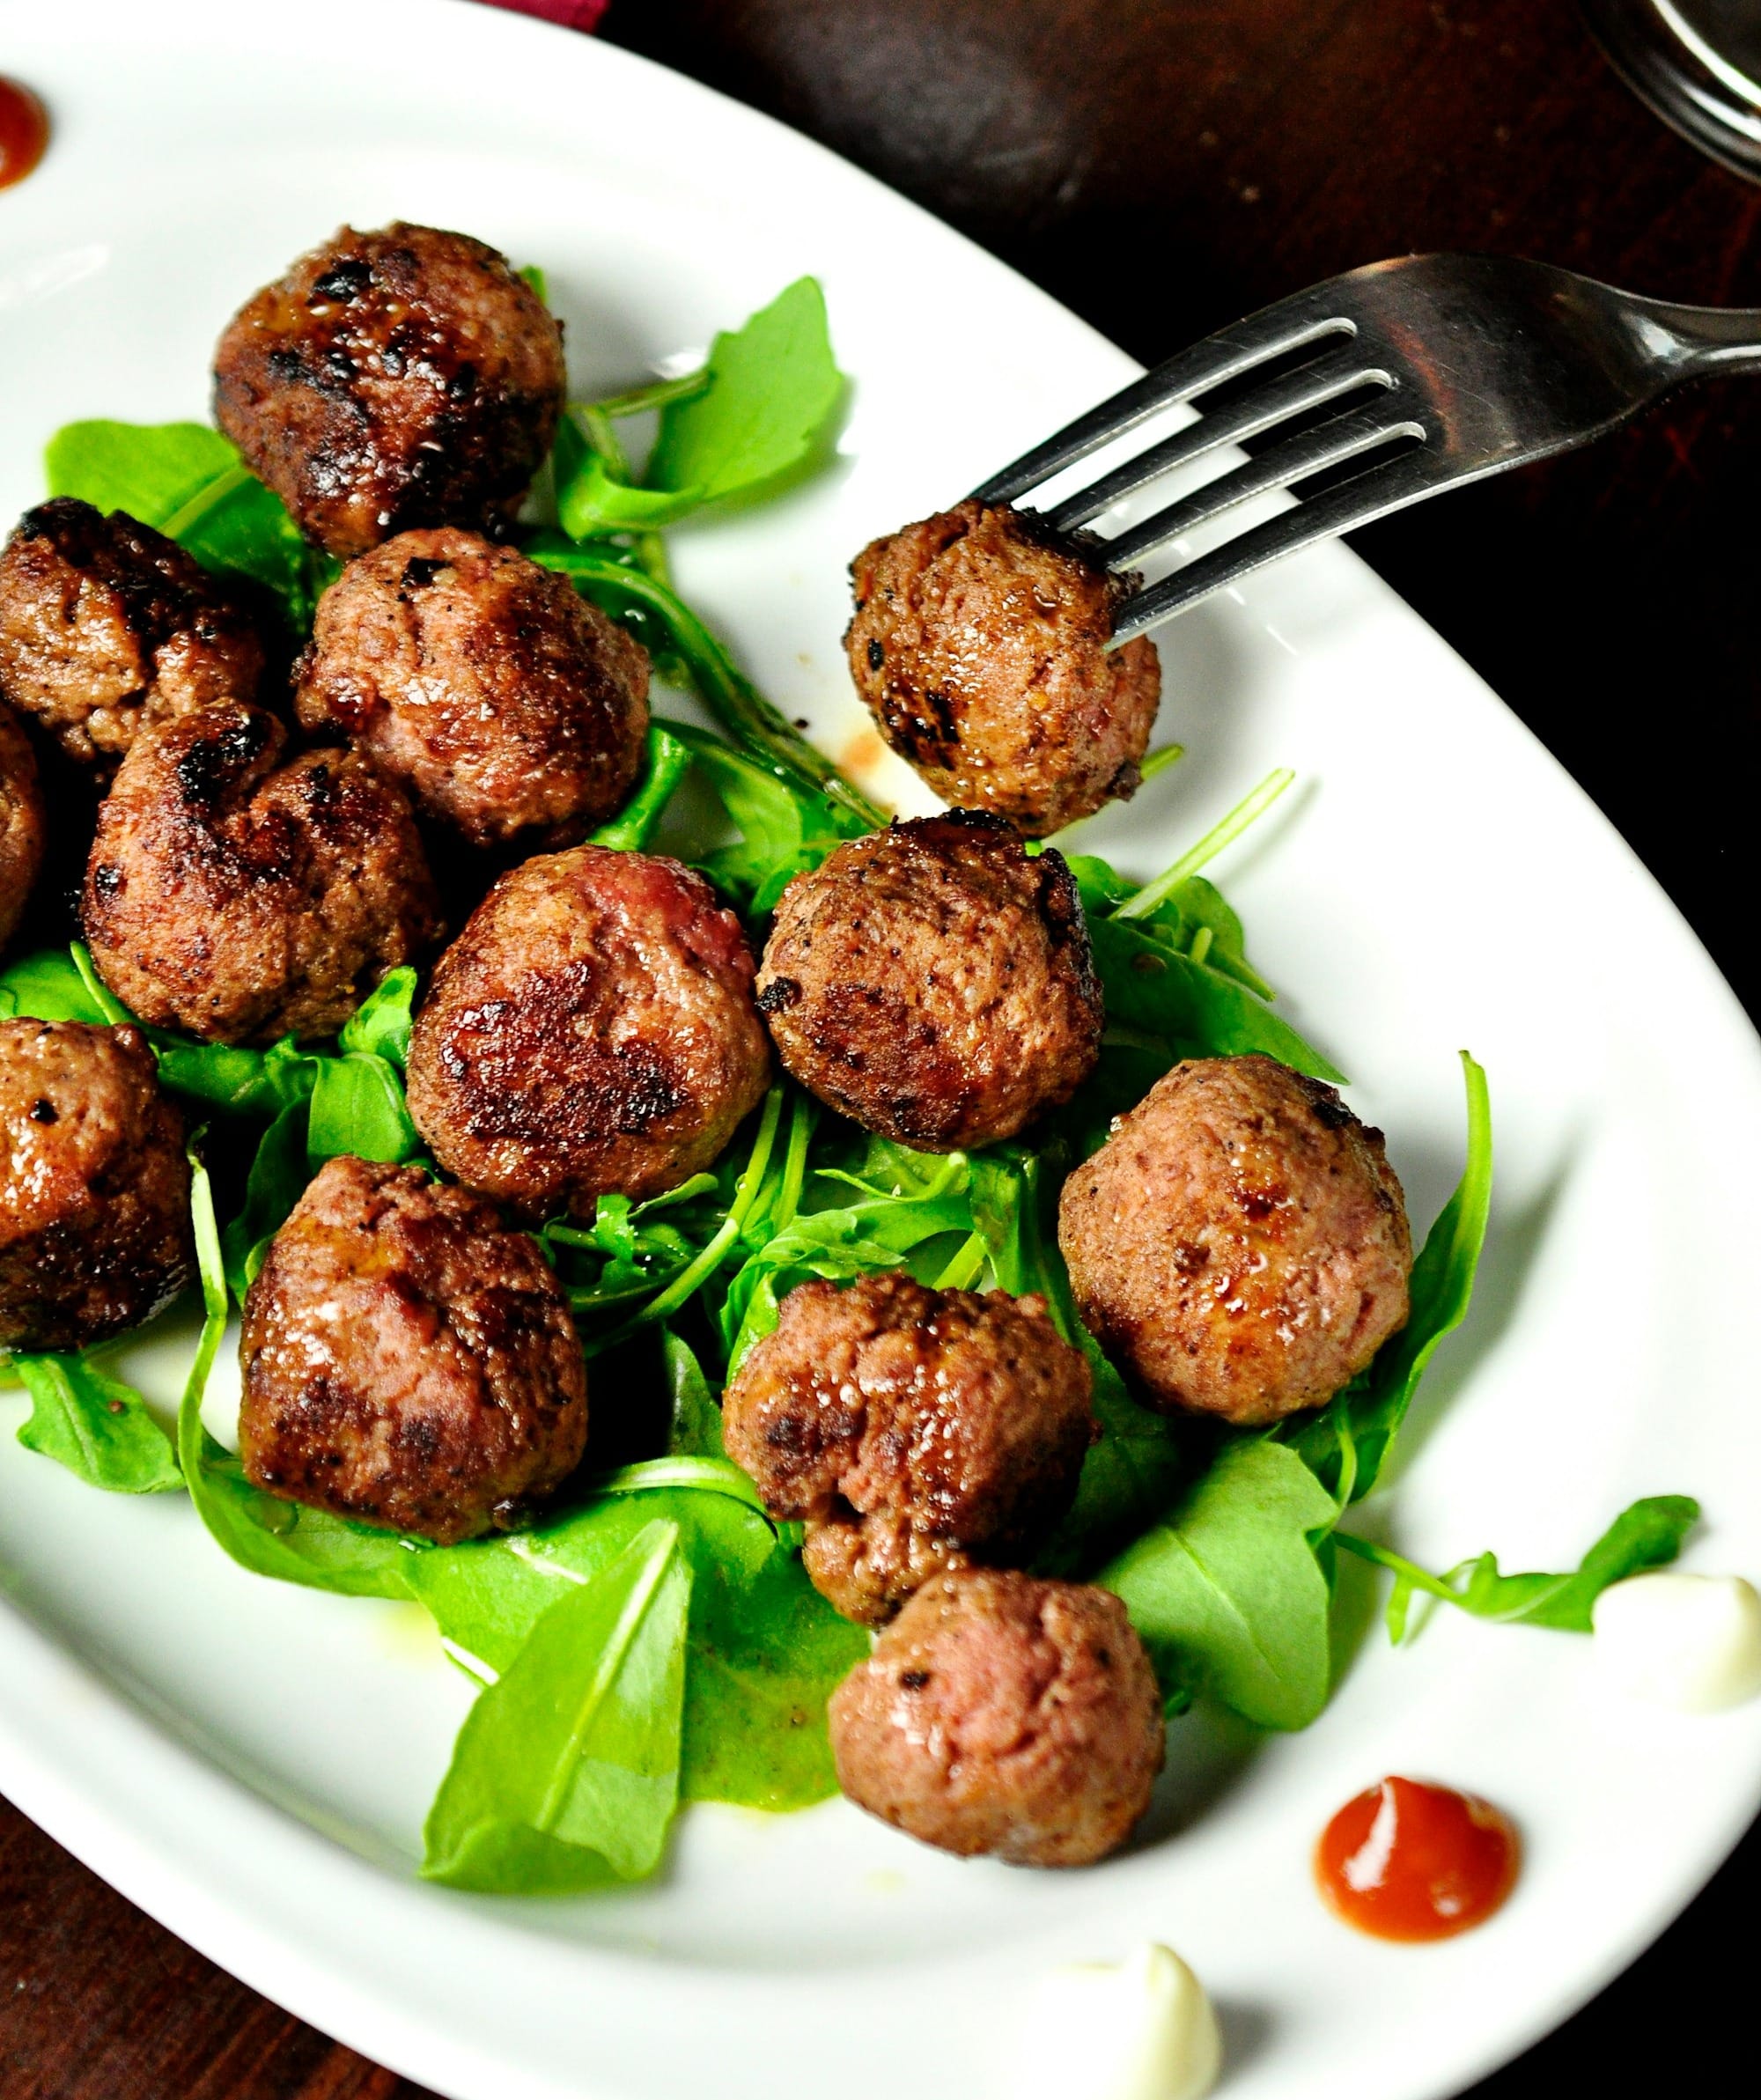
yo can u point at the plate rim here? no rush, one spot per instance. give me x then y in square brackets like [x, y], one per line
[149, 1874]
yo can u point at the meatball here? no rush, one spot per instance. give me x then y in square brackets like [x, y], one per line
[911, 1430]
[240, 900]
[979, 646]
[505, 705]
[106, 624]
[590, 1030]
[94, 1186]
[934, 982]
[1240, 1242]
[408, 1361]
[1002, 1714]
[21, 823]
[403, 377]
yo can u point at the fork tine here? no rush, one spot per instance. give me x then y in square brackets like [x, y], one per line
[1312, 388]
[1388, 485]
[1277, 329]
[1330, 445]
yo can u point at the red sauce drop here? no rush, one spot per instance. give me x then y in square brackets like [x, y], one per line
[1409, 1861]
[24, 132]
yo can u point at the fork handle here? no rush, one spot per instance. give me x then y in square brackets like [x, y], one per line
[1704, 340]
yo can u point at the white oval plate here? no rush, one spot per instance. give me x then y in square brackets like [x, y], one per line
[251, 1762]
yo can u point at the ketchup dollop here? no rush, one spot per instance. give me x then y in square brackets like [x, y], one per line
[24, 132]
[1405, 1861]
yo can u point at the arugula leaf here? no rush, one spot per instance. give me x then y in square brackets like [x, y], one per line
[47, 986]
[1646, 1534]
[694, 1421]
[765, 1651]
[1226, 1590]
[594, 494]
[259, 1531]
[379, 1026]
[95, 1425]
[784, 830]
[880, 1231]
[757, 415]
[1193, 1009]
[666, 763]
[190, 483]
[774, 389]
[59, 986]
[566, 1771]
[1347, 1445]
[358, 1106]
[1194, 917]
[279, 1173]
[621, 590]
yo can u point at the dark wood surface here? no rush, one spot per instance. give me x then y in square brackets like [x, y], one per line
[1163, 168]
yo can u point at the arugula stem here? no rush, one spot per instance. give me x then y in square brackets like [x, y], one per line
[209, 497]
[1213, 842]
[669, 761]
[610, 1662]
[966, 1267]
[754, 725]
[803, 1114]
[656, 394]
[1409, 1571]
[745, 1195]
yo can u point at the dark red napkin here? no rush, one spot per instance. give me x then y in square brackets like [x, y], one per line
[572, 14]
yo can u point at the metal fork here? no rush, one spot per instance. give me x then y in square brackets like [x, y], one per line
[1444, 368]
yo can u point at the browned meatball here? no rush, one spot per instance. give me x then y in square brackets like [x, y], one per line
[910, 1430]
[21, 823]
[934, 982]
[502, 702]
[94, 1186]
[590, 1030]
[1239, 1243]
[1002, 1714]
[106, 623]
[408, 1361]
[241, 900]
[979, 646]
[403, 377]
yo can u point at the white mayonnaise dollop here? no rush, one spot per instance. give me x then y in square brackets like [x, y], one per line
[1692, 1642]
[1141, 2028]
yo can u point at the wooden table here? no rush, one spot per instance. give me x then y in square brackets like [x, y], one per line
[1162, 168]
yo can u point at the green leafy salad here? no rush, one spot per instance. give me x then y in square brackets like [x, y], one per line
[656, 1641]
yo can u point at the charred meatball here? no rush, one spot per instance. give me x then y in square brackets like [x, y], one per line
[241, 900]
[1240, 1242]
[94, 1186]
[21, 823]
[911, 1430]
[590, 1030]
[979, 646]
[505, 705]
[399, 378]
[408, 1361]
[935, 983]
[106, 624]
[1002, 1714]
